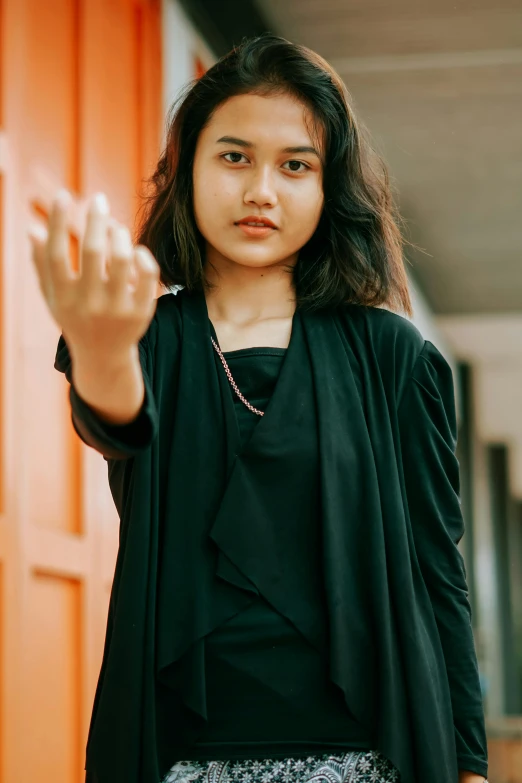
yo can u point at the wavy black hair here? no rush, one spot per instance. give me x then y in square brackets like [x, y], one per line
[356, 252]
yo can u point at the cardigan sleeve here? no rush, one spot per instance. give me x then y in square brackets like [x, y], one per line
[428, 435]
[113, 441]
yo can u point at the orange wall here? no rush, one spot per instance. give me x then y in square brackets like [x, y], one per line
[80, 106]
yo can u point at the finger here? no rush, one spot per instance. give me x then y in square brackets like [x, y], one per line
[94, 243]
[120, 263]
[147, 276]
[38, 236]
[57, 249]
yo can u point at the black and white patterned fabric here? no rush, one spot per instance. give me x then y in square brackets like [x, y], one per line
[351, 767]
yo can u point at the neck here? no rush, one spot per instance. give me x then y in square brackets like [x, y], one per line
[244, 295]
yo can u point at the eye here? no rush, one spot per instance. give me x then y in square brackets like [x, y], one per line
[238, 154]
[299, 163]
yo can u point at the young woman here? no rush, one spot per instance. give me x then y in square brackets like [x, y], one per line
[289, 601]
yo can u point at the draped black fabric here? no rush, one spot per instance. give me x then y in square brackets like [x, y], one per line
[396, 632]
[268, 693]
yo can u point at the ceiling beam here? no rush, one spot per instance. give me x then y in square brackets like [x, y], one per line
[434, 60]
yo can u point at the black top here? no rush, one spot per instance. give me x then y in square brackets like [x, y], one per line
[247, 657]
[363, 411]
[255, 371]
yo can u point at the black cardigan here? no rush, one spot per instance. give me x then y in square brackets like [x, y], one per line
[397, 631]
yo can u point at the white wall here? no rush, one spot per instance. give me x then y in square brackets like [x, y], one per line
[181, 44]
[426, 322]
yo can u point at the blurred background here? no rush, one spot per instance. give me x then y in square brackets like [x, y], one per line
[85, 86]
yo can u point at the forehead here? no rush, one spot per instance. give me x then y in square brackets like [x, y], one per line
[276, 120]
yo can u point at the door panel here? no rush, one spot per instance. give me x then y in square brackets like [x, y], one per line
[80, 107]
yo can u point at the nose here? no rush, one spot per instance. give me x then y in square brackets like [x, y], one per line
[260, 189]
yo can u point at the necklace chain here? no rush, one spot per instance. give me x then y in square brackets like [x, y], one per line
[232, 381]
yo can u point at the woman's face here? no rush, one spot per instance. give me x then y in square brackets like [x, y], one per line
[254, 159]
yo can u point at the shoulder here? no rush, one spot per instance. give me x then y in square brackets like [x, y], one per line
[166, 322]
[168, 307]
[387, 344]
[392, 338]
[405, 358]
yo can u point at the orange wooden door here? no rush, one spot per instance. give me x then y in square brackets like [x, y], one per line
[80, 107]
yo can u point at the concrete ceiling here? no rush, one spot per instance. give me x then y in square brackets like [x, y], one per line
[439, 87]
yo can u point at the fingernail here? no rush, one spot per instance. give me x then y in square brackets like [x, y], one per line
[37, 231]
[101, 202]
[63, 197]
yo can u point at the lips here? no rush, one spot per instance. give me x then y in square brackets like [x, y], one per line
[257, 221]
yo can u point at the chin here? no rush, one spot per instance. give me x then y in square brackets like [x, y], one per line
[252, 260]
[258, 263]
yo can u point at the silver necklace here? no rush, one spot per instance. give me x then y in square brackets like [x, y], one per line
[232, 381]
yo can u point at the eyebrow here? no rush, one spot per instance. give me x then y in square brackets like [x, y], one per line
[248, 144]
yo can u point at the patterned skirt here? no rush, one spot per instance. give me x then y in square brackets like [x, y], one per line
[367, 766]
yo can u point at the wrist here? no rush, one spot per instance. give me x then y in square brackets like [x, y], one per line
[465, 776]
[103, 355]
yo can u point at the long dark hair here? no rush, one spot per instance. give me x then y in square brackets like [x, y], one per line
[356, 252]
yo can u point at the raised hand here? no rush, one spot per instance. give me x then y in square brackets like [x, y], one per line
[108, 305]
